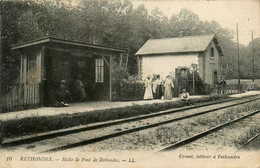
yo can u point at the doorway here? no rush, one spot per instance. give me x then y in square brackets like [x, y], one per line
[101, 78]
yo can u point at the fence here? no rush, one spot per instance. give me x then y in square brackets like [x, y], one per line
[230, 89]
[21, 96]
[128, 91]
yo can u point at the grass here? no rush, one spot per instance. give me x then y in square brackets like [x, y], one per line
[248, 133]
[161, 136]
[239, 136]
[36, 124]
[245, 137]
[231, 114]
[202, 123]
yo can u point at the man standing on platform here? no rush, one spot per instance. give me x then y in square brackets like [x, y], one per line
[223, 83]
[219, 86]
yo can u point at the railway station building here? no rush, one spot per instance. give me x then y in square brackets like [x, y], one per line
[164, 56]
[48, 61]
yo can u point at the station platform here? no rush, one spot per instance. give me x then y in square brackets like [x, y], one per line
[85, 107]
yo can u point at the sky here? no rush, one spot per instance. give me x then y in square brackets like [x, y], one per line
[226, 13]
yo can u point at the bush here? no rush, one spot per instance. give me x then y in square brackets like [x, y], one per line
[118, 72]
[130, 89]
[200, 86]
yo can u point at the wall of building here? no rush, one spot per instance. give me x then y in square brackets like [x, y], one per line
[201, 67]
[31, 66]
[165, 64]
[211, 64]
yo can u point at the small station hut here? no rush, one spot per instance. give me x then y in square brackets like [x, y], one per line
[45, 62]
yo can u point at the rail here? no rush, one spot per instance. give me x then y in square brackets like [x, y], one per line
[203, 134]
[51, 135]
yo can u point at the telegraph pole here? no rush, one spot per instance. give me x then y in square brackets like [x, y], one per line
[193, 78]
[1, 44]
[1, 59]
[238, 69]
[127, 55]
[253, 59]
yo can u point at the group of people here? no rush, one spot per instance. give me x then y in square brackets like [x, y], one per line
[221, 84]
[63, 95]
[155, 88]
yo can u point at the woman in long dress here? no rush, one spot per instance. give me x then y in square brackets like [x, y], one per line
[168, 85]
[148, 94]
[154, 85]
[157, 88]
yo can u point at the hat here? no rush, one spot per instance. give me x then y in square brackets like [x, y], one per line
[63, 81]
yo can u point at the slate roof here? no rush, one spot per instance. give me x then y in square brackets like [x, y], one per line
[178, 45]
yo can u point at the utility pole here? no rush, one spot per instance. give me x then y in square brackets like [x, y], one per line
[238, 69]
[1, 49]
[193, 81]
[127, 55]
[193, 77]
[1, 59]
[253, 59]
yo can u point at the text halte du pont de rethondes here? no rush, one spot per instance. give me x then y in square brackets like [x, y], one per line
[199, 156]
[76, 159]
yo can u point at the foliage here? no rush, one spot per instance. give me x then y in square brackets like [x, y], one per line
[127, 87]
[113, 23]
[200, 86]
[118, 72]
[131, 89]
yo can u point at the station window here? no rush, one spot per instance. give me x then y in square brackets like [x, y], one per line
[212, 52]
[99, 70]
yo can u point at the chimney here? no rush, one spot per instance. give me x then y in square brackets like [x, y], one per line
[181, 33]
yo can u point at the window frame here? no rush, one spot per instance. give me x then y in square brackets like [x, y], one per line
[99, 70]
[212, 52]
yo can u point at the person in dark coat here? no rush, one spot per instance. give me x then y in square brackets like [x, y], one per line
[223, 83]
[64, 95]
[158, 90]
[219, 86]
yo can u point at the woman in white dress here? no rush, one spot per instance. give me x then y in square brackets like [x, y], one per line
[168, 85]
[148, 94]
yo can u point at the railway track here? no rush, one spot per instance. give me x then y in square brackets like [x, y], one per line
[86, 132]
[248, 141]
[190, 140]
[252, 141]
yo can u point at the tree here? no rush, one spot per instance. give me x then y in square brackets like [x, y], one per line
[112, 23]
[11, 11]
